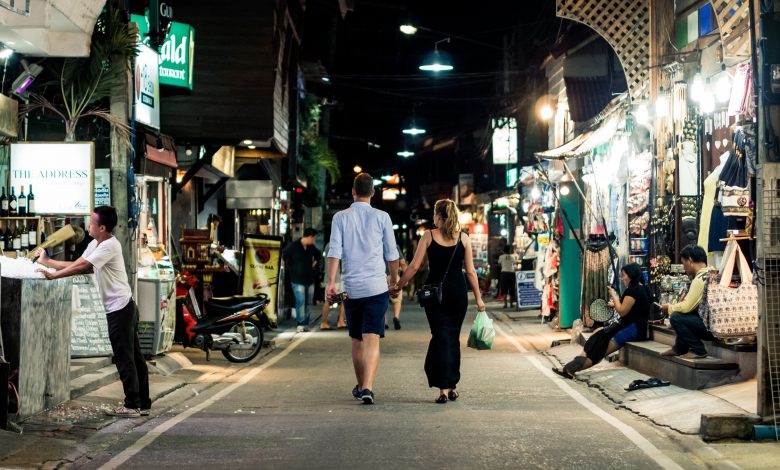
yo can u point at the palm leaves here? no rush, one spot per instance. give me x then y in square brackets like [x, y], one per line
[83, 83]
[316, 155]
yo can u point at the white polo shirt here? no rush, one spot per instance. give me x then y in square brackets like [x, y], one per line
[109, 265]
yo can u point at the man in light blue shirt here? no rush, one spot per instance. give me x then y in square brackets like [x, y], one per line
[362, 239]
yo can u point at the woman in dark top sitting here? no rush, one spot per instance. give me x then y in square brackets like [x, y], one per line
[633, 308]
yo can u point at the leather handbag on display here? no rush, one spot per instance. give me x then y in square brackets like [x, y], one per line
[734, 201]
[432, 294]
[731, 312]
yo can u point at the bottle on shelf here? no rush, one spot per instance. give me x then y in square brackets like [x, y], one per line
[30, 202]
[21, 203]
[12, 204]
[25, 236]
[17, 237]
[3, 204]
[2, 240]
[8, 236]
[33, 235]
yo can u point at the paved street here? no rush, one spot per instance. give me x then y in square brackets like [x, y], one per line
[293, 409]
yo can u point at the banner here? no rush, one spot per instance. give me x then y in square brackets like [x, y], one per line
[262, 258]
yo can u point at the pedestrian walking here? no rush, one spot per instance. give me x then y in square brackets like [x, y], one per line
[362, 238]
[508, 261]
[447, 249]
[104, 255]
[302, 258]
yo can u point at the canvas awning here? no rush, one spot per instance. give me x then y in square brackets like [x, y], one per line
[584, 143]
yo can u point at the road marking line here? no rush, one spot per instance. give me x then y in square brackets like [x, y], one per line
[161, 428]
[640, 441]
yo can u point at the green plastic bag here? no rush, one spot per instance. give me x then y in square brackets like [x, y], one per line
[482, 333]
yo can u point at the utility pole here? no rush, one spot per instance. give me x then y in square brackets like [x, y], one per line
[120, 164]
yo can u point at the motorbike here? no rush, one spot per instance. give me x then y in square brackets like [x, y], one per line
[232, 325]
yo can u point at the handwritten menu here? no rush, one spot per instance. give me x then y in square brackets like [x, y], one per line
[88, 328]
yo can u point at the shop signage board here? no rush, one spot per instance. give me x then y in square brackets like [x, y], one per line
[528, 296]
[176, 53]
[262, 260]
[60, 173]
[102, 187]
[147, 87]
[88, 325]
[504, 141]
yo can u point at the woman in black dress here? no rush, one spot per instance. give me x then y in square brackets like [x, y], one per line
[442, 363]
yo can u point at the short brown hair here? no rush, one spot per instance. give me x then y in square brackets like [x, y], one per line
[363, 185]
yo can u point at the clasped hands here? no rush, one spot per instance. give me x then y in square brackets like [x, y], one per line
[394, 288]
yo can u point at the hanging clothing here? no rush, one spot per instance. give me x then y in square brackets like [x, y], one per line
[595, 276]
[707, 206]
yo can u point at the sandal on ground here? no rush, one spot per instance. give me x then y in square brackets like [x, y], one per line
[442, 399]
[453, 395]
[563, 373]
[325, 327]
[649, 383]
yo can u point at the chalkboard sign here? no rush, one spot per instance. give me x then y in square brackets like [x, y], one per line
[88, 326]
[528, 296]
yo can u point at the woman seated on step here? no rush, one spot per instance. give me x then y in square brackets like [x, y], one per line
[633, 308]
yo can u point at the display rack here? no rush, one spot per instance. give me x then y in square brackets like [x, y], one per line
[4, 221]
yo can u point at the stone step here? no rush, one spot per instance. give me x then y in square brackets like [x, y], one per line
[86, 365]
[93, 381]
[662, 334]
[693, 374]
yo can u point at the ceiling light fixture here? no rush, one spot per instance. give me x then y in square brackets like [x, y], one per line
[357, 169]
[405, 153]
[251, 147]
[437, 61]
[6, 53]
[247, 142]
[413, 130]
[408, 29]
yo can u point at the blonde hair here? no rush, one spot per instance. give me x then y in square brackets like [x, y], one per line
[448, 211]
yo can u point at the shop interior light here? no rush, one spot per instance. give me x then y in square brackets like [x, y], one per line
[546, 112]
[413, 130]
[662, 106]
[723, 88]
[641, 115]
[325, 79]
[357, 169]
[707, 103]
[247, 142]
[188, 150]
[6, 52]
[404, 226]
[408, 29]
[565, 190]
[697, 88]
[405, 153]
[535, 193]
[251, 147]
[504, 232]
[395, 227]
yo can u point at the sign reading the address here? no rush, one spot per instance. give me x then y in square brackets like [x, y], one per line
[61, 175]
[176, 53]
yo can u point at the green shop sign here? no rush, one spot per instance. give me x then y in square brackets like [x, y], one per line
[176, 53]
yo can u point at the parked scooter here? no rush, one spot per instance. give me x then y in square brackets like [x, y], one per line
[233, 325]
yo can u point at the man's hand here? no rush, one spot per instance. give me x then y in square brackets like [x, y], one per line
[41, 254]
[331, 291]
[46, 274]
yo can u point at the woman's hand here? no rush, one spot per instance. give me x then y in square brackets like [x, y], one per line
[611, 292]
[480, 305]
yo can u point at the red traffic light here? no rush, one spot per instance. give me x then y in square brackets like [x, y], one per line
[299, 190]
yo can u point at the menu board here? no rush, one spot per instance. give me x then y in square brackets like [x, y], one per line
[528, 296]
[88, 326]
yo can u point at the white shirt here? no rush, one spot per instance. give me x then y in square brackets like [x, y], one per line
[109, 265]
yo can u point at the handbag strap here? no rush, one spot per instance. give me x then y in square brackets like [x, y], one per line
[746, 276]
[451, 257]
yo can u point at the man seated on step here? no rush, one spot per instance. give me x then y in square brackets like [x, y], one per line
[684, 315]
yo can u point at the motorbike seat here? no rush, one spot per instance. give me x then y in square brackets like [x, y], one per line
[229, 305]
[237, 299]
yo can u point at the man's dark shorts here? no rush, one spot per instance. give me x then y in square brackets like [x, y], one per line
[366, 315]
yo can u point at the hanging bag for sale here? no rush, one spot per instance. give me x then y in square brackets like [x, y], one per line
[732, 311]
[734, 201]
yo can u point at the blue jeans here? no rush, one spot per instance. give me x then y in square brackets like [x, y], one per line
[304, 295]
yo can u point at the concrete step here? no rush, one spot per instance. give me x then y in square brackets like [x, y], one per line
[93, 381]
[662, 334]
[693, 374]
[86, 365]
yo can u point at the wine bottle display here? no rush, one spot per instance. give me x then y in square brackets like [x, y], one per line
[12, 203]
[25, 237]
[21, 205]
[30, 202]
[3, 205]
[17, 238]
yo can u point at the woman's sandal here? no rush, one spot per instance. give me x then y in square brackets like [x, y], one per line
[563, 373]
[453, 395]
[442, 399]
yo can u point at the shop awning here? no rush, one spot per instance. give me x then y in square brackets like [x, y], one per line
[162, 156]
[584, 143]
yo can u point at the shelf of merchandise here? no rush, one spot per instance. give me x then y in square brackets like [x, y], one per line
[4, 221]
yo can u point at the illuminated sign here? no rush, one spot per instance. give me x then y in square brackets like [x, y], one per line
[504, 141]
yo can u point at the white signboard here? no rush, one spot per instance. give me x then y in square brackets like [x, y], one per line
[61, 175]
[147, 87]
[504, 141]
[102, 187]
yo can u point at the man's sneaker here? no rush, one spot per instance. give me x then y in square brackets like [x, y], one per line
[356, 392]
[144, 411]
[124, 412]
[367, 396]
[300, 329]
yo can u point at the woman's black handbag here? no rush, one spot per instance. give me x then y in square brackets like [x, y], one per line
[431, 294]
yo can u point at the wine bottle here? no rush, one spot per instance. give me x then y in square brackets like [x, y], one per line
[33, 235]
[12, 204]
[25, 237]
[8, 237]
[2, 241]
[3, 204]
[21, 203]
[30, 202]
[17, 237]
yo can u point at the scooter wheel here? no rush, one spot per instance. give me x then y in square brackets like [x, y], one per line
[243, 352]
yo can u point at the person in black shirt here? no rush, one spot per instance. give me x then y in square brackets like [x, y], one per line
[301, 259]
[634, 310]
